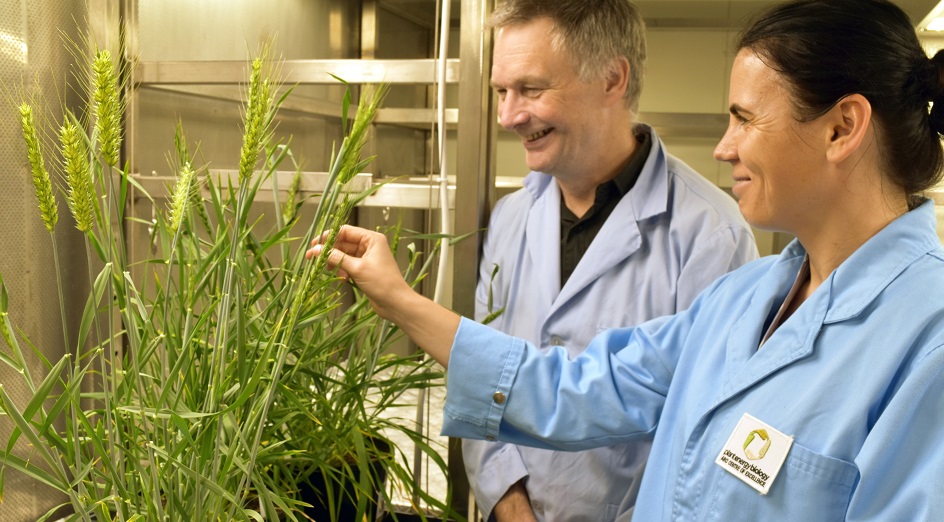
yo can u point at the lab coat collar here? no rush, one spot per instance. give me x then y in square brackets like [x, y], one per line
[543, 233]
[788, 344]
[871, 268]
[618, 238]
[861, 278]
[844, 295]
[650, 194]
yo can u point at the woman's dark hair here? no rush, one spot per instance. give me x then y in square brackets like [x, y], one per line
[829, 49]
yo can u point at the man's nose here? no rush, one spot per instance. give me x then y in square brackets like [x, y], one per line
[511, 112]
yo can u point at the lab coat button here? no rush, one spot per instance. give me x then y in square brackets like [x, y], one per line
[498, 397]
[557, 341]
[490, 438]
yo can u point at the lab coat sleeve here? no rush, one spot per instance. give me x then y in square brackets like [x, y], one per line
[901, 465]
[502, 388]
[715, 254]
[492, 467]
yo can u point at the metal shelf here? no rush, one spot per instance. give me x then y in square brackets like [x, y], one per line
[413, 71]
[413, 193]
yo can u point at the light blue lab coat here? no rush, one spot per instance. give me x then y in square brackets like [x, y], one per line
[856, 375]
[671, 236]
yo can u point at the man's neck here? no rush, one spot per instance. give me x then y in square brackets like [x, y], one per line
[579, 190]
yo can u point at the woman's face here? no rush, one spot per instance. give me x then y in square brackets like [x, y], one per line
[775, 158]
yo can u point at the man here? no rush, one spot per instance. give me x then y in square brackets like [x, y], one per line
[609, 230]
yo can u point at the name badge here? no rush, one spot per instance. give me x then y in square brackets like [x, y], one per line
[754, 453]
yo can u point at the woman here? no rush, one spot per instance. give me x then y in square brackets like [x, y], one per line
[804, 386]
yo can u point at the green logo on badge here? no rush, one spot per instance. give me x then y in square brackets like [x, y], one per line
[763, 450]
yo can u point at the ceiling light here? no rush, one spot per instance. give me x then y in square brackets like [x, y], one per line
[934, 21]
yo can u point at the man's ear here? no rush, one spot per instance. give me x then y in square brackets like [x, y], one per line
[848, 124]
[617, 78]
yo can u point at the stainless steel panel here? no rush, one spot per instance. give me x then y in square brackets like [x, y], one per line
[33, 58]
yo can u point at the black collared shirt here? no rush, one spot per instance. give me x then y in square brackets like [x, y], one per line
[576, 234]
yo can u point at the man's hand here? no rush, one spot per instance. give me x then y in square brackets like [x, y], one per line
[515, 505]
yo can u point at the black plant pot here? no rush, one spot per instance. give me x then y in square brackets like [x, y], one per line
[346, 491]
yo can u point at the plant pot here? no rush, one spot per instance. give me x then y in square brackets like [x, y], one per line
[334, 492]
[344, 495]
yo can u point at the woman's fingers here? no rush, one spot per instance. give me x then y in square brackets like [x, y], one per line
[351, 252]
[335, 261]
[340, 243]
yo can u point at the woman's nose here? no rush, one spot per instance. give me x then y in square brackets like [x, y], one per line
[725, 150]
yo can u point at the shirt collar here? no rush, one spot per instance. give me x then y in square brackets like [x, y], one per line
[627, 177]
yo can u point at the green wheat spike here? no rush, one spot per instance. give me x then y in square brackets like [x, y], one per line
[81, 196]
[108, 107]
[44, 193]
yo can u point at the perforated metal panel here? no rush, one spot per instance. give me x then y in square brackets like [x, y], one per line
[32, 57]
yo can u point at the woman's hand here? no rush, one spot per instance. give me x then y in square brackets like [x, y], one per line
[364, 257]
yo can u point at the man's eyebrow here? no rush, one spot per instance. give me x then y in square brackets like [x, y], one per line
[518, 82]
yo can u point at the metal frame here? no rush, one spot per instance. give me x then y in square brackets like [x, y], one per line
[475, 178]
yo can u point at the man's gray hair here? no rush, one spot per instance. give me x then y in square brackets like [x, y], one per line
[593, 32]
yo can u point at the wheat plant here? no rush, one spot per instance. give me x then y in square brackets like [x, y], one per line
[230, 371]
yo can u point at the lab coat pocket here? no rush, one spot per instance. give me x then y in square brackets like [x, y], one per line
[821, 484]
[816, 480]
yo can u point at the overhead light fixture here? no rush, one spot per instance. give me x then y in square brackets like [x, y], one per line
[934, 21]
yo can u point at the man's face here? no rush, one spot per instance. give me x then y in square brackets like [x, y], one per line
[544, 102]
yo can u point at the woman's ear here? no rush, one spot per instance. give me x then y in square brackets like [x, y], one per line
[848, 126]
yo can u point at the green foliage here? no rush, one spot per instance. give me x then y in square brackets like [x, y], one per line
[228, 369]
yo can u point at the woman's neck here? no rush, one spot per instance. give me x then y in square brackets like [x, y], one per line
[837, 234]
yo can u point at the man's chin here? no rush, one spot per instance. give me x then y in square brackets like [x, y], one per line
[537, 164]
